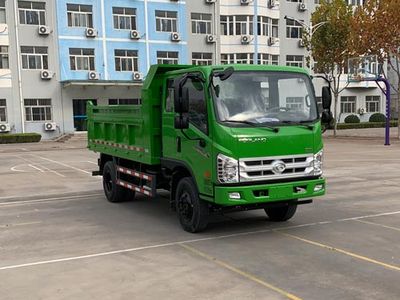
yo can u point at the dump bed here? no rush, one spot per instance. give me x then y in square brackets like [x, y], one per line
[131, 131]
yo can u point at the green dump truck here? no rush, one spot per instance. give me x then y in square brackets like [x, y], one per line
[219, 138]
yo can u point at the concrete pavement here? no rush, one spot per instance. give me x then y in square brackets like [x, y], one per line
[70, 243]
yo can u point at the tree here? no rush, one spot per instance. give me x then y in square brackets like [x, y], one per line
[376, 31]
[329, 43]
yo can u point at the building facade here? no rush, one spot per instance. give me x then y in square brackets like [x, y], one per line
[57, 55]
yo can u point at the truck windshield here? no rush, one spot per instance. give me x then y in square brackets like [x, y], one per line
[265, 98]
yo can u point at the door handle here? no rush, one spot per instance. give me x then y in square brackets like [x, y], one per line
[178, 144]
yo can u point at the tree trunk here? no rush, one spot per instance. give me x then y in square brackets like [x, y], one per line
[398, 109]
[335, 104]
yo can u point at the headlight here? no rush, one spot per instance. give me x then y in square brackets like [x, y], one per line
[318, 162]
[228, 170]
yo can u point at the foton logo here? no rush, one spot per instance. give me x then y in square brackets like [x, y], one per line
[253, 140]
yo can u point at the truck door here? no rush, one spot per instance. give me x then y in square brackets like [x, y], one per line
[193, 146]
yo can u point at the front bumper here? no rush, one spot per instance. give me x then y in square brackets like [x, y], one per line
[265, 193]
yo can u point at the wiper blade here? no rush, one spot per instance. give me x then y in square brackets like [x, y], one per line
[300, 123]
[274, 129]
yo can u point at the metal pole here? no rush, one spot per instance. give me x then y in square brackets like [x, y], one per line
[387, 94]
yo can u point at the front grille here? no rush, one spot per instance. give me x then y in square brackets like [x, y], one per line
[262, 168]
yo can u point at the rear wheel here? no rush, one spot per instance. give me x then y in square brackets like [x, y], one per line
[193, 212]
[282, 213]
[114, 192]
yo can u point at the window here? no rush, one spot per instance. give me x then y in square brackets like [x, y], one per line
[373, 103]
[236, 25]
[167, 57]
[274, 27]
[166, 21]
[295, 103]
[3, 110]
[267, 59]
[81, 59]
[263, 24]
[201, 59]
[169, 101]
[80, 15]
[38, 109]
[348, 104]
[3, 12]
[293, 29]
[294, 60]
[4, 64]
[32, 13]
[319, 104]
[34, 58]
[126, 60]
[238, 58]
[124, 18]
[133, 101]
[356, 2]
[197, 104]
[201, 23]
[244, 25]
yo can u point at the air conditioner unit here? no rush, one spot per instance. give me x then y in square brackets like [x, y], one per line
[50, 126]
[210, 1]
[175, 37]
[272, 40]
[91, 32]
[211, 38]
[244, 2]
[93, 75]
[301, 44]
[245, 39]
[5, 127]
[135, 35]
[137, 76]
[302, 7]
[44, 30]
[46, 74]
[271, 3]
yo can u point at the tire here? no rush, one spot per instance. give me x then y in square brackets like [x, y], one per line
[281, 214]
[193, 213]
[114, 193]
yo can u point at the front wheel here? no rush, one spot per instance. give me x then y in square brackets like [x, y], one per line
[193, 212]
[281, 213]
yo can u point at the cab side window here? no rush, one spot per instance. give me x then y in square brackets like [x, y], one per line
[197, 104]
[169, 101]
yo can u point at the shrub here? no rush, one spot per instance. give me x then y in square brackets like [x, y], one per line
[352, 119]
[377, 117]
[366, 125]
[20, 138]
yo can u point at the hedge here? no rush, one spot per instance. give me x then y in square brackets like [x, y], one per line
[352, 119]
[365, 125]
[20, 138]
[377, 117]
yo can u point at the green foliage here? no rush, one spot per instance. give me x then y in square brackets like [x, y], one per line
[352, 119]
[377, 117]
[20, 138]
[365, 125]
[330, 41]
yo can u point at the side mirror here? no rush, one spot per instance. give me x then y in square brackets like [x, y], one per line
[181, 98]
[326, 118]
[326, 98]
[181, 122]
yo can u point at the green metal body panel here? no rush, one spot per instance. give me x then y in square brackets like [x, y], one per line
[276, 192]
[150, 128]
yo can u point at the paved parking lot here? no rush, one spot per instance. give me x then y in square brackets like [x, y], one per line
[60, 239]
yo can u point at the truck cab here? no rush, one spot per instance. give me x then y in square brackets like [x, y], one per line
[230, 138]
